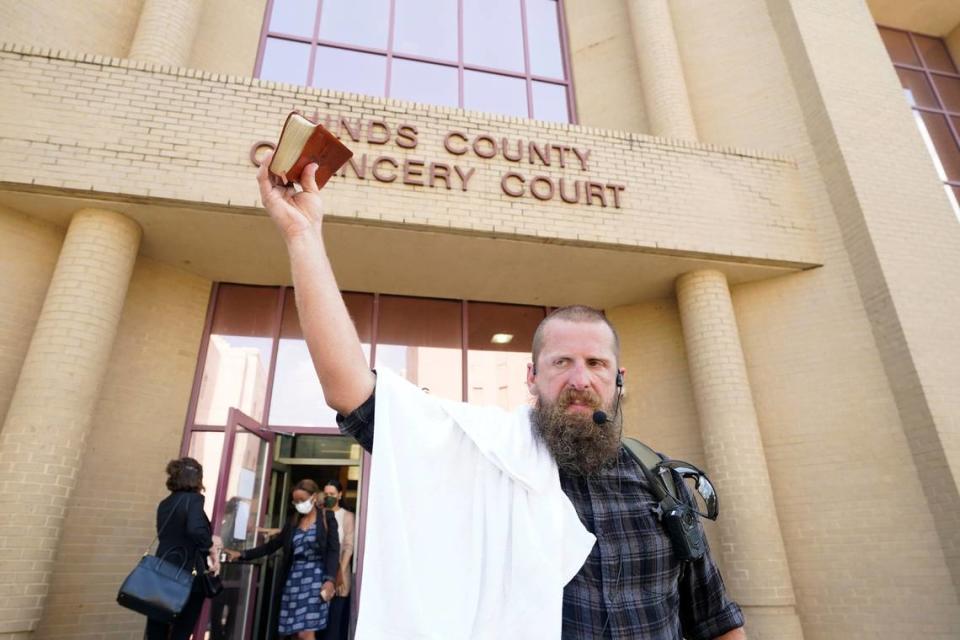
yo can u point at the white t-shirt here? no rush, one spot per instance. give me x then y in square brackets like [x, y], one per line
[338, 515]
[490, 557]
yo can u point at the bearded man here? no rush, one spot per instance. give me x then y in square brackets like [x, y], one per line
[568, 389]
[539, 524]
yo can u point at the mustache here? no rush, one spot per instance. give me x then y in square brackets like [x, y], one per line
[579, 396]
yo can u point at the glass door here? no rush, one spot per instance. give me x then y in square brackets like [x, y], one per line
[239, 504]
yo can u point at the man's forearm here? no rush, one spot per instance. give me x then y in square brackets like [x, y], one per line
[327, 328]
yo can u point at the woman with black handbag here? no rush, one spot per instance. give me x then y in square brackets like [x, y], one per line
[185, 538]
[311, 554]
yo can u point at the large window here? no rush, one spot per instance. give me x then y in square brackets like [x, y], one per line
[255, 358]
[931, 85]
[497, 56]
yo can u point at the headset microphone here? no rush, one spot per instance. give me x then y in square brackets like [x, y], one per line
[601, 417]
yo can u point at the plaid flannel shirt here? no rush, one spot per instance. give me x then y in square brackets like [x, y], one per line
[631, 586]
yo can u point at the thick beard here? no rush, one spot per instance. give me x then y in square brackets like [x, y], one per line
[579, 445]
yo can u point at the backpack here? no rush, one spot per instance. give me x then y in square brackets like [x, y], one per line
[677, 517]
[648, 459]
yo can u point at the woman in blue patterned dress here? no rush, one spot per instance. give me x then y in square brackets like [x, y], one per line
[311, 553]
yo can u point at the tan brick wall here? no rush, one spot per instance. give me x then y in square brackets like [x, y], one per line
[658, 404]
[953, 44]
[231, 35]
[160, 129]
[136, 428]
[658, 399]
[738, 85]
[659, 408]
[827, 415]
[850, 504]
[104, 27]
[758, 575]
[165, 31]
[932, 17]
[28, 254]
[665, 92]
[605, 72]
[900, 234]
[45, 429]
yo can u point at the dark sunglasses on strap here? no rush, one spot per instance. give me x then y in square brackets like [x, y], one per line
[705, 499]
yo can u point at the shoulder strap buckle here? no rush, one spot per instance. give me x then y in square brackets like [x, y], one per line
[648, 459]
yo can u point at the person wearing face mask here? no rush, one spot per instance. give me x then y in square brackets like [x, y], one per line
[339, 624]
[311, 550]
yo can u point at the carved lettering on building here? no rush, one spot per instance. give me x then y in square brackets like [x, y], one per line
[525, 180]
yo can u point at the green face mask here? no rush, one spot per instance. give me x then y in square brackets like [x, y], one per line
[329, 502]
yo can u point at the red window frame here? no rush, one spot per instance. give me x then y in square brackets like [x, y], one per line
[390, 54]
[929, 75]
[191, 425]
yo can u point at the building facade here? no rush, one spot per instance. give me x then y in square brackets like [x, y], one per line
[760, 194]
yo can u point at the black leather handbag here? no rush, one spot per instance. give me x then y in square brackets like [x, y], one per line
[158, 588]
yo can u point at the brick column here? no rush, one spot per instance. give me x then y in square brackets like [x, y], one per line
[42, 441]
[165, 31]
[753, 556]
[661, 71]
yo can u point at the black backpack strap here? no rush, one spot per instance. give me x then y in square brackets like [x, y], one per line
[647, 458]
[165, 523]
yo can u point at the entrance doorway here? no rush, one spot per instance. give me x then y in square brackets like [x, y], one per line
[240, 492]
[320, 458]
[258, 469]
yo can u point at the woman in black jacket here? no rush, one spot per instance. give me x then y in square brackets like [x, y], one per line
[185, 539]
[311, 555]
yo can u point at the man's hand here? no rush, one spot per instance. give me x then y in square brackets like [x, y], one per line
[295, 212]
[733, 634]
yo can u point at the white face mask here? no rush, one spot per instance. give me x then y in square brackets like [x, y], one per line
[304, 507]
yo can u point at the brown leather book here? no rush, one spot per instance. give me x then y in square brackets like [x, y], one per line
[303, 141]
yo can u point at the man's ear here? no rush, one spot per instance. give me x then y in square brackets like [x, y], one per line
[531, 379]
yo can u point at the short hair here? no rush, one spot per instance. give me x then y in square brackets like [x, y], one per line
[307, 485]
[335, 484]
[184, 474]
[573, 313]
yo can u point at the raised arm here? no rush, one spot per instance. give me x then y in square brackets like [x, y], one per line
[331, 337]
